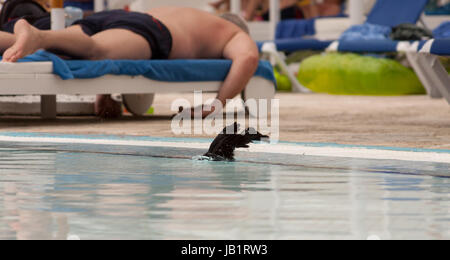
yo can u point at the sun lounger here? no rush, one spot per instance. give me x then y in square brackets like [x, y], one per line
[46, 74]
[385, 12]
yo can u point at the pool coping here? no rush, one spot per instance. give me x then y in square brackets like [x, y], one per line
[288, 148]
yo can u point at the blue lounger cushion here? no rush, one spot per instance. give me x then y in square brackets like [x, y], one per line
[298, 44]
[441, 47]
[384, 45]
[394, 12]
[358, 46]
[160, 70]
[295, 28]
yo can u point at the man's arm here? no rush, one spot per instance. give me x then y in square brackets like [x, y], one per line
[242, 50]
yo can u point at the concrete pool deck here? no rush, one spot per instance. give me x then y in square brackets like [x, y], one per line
[410, 121]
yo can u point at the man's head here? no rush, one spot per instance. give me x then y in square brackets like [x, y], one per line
[237, 20]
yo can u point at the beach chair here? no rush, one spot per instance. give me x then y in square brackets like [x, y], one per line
[45, 74]
[385, 12]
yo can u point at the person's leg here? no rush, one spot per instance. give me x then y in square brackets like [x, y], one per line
[109, 44]
[329, 9]
[218, 4]
[249, 12]
[112, 43]
[29, 40]
[121, 44]
[6, 41]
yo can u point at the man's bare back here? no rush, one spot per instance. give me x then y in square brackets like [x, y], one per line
[200, 35]
[196, 34]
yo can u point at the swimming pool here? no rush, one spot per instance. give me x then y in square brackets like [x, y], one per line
[87, 190]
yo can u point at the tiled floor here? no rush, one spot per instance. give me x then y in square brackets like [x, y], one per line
[412, 121]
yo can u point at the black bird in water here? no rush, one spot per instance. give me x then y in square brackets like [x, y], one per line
[223, 147]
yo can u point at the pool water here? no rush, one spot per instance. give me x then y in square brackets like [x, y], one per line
[60, 195]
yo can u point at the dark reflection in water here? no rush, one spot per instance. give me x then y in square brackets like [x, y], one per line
[56, 195]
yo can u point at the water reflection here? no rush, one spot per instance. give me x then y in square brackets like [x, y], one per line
[53, 195]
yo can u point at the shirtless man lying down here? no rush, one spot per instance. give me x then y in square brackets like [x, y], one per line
[162, 33]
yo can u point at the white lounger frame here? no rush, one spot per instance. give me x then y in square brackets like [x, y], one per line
[431, 72]
[37, 79]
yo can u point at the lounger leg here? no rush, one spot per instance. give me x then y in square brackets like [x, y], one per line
[270, 49]
[433, 75]
[439, 74]
[48, 107]
[421, 67]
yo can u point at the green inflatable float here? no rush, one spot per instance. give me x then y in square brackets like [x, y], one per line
[283, 82]
[352, 74]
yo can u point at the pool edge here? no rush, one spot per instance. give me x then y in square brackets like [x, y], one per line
[291, 148]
